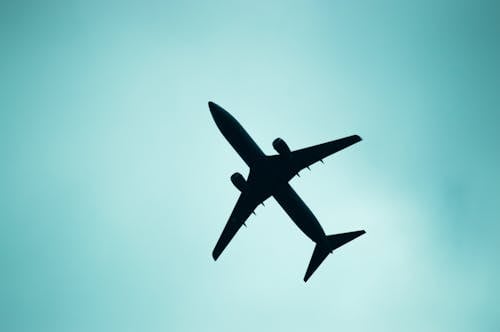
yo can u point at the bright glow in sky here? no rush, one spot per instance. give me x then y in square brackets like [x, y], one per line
[114, 182]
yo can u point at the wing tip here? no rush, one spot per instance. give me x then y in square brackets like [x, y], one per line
[216, 253]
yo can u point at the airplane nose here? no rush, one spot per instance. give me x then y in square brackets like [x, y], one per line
[214, 109]
[211, 106]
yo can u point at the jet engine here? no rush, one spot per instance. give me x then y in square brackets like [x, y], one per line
[239, 181]
[281, 147]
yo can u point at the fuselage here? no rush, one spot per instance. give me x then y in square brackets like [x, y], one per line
[268, 176]
[234, 133]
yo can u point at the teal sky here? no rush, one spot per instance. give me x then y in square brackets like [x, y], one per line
[114, 179]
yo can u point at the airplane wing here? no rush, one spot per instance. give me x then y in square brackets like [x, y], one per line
[303, 158]
[245, 205]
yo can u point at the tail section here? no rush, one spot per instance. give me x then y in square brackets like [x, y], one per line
[320, 252]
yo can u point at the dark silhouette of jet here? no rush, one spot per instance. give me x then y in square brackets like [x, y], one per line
[269, 176]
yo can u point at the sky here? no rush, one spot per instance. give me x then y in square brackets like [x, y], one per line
[114, 179]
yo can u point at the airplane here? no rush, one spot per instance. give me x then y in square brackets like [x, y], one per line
[269, 176]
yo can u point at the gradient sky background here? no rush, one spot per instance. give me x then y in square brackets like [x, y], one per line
[115, 180]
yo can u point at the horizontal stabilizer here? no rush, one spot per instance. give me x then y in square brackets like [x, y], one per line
[338, 240]
[320, 252]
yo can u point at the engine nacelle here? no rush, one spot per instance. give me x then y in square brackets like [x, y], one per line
[281, 147]
[239, 181]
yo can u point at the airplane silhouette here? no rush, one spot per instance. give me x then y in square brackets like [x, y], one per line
[269, 176]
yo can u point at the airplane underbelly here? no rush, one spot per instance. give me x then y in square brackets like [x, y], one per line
[299, 213]
[244, 145]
